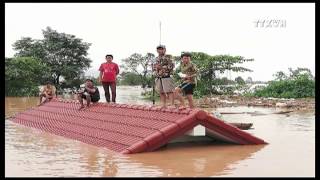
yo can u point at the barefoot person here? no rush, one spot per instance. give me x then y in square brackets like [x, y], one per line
[90, 94]
[188, 74]
[163, 69]
[48, 92]
[108, 77]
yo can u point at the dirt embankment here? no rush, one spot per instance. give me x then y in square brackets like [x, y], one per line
[229, 101]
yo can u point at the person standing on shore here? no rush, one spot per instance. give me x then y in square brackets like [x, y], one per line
[108, 76]
[163, 69]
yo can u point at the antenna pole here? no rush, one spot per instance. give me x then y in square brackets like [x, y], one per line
[160, 33]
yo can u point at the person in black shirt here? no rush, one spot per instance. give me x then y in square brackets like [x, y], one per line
[90, 93]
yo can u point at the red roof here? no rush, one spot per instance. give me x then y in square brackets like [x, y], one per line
[126, 128]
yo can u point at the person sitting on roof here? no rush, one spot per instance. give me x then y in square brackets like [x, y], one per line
[90, 93]
[48, 92]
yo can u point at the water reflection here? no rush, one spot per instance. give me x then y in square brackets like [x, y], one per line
[110, 167]
[290, 152]
[195, 159]
[18, 104]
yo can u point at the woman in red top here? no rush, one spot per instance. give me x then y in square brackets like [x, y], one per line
[108, 73]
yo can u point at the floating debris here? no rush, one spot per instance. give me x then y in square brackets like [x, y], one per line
[231, 101]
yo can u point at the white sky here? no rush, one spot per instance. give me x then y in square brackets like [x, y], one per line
[214, 28]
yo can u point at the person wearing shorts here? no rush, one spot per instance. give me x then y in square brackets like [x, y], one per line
[163, 69]
[189, 73]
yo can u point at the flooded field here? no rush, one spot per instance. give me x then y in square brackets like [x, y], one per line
[290, 152]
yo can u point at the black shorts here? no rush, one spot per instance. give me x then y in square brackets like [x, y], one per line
[93, 98]
[187, 88]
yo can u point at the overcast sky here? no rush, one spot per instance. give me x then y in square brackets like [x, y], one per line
[213, 28]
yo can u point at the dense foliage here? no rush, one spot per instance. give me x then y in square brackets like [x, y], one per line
[23, 76]
[298, 84]
[58, 57]
[64, 54]
[137, 70]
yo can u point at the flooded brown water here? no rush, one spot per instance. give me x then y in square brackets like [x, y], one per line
[290, 152]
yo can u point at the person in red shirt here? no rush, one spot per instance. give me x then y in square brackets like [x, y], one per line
[108, 74]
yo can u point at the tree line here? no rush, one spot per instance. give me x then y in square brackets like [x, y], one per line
[298, 83]
[62, 59]
[137, 70]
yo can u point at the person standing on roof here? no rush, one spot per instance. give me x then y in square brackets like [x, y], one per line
[188, 75]
[108, 77]
[163, 69]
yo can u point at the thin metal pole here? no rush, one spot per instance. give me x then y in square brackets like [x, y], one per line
[153, 91]
[160, 33]
[153, 83]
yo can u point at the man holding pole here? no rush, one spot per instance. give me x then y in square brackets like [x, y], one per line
[163, 69]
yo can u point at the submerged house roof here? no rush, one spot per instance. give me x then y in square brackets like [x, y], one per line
[126, 128]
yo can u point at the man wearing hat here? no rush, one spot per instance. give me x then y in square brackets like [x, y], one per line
[188, 75]
[163, 69]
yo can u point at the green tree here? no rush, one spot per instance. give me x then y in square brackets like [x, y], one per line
[23, 75]
[65, 54]
[138, 65]
[240, 80]
[130, 79]
[280, 75]
[299, 84]
[299, 71]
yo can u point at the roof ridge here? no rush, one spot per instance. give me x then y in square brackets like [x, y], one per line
[132, 106]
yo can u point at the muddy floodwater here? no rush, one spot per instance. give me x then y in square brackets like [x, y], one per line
[290, 152]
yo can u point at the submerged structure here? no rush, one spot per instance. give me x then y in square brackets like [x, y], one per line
[127, 128]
